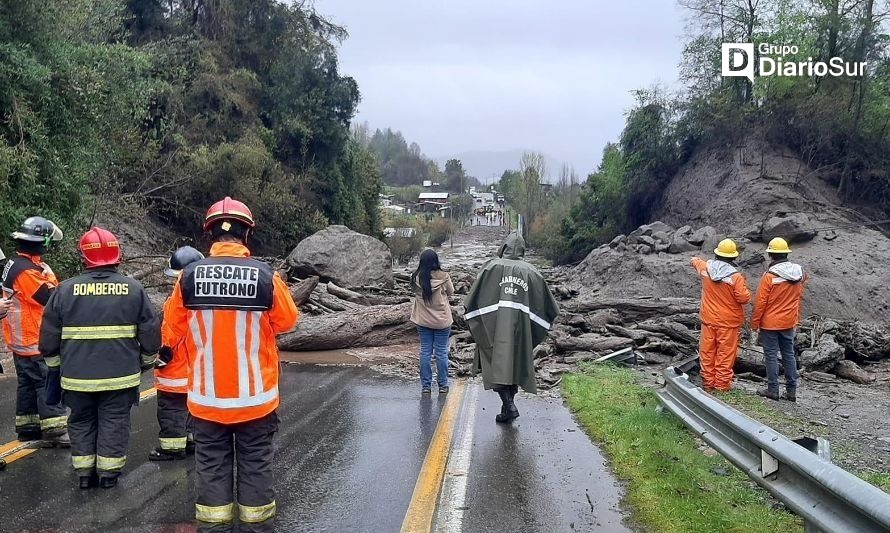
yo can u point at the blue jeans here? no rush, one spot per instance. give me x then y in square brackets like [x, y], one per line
[774, 342]
[433, 340]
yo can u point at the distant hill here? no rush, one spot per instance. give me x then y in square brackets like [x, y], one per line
[488, 166]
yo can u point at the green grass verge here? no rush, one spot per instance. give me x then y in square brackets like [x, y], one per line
[672, 485]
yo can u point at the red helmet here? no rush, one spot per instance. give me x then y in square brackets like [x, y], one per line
[228, 209]
[99, 247]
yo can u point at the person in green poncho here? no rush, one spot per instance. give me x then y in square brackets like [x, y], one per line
[509, 311]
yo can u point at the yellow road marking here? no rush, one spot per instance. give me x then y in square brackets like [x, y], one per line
[148, 393]
[419, 518]
[18, 455]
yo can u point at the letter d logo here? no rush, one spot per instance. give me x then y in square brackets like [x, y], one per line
[738, 60]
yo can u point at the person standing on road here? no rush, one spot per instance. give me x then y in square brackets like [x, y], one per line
[5, 304]
[171, 378]
[29, 283]
[432, 316]
[723, 297]
[776, 316]
[99, 333]
[509, 311]
[228, 308]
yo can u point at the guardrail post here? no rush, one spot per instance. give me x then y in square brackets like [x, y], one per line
[822, 448]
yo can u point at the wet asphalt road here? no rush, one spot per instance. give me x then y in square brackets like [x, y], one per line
[350, 447]
[537, 474]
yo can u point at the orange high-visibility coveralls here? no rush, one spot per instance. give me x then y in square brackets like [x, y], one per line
[724, 294]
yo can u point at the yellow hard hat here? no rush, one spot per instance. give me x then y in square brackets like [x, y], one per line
[727, 248]
[778, 246]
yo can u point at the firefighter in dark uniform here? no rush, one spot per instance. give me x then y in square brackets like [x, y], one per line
[171, 379]
[99, 332]
[28, 282]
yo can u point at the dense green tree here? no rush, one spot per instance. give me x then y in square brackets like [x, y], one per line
[170, 105]
[454, 176]
[401, 164]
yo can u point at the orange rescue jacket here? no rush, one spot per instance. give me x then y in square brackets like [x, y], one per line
[723, 294]
[173, 377]
[231, 349]
[779, 297]
[32, 281]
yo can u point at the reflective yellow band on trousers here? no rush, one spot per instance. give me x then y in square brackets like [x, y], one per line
[54, 422]
[215, 514]
[96, 385]
[256, 514]
[27, 420]
[83, 461]
[98, 332]
[53, 361]
[173, 443]
[110, 464]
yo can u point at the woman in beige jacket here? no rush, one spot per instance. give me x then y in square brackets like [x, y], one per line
[432, 315]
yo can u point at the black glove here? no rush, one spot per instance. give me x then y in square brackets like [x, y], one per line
[165, 355]
[54, 387]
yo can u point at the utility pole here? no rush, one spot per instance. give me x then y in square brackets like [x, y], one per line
[451, 218]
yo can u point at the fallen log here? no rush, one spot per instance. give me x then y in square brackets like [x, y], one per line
[363, 327]
[633, 334]
[302, 290]
[672, 330]
[328, 301]
[636, 310]
[590, 342]
[346, 294]
[853, 372]
[364, 299]
[668, 348]
[750, 359]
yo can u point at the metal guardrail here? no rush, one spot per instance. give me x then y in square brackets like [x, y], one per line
[828, 497]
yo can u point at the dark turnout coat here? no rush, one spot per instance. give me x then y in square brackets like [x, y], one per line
[509, 311]
[98, 326]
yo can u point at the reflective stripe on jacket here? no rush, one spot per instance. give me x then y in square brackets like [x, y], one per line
[231, 347]
[723, 294]
[779, 297]
[509, 311]
[97, 326]
[33, 283]
[173, 377]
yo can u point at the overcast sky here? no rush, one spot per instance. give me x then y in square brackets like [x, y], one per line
[460, 75]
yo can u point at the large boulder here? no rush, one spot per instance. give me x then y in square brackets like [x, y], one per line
[796, 227]
[347, 258]
[824, 356]
[648, 230]
[699, 236]
[679, 244]
[662, 237]
[656, 227]
[617, 240]
[648, 243]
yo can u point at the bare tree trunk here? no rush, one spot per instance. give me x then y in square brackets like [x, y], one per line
[303, 290]
[365, 327]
